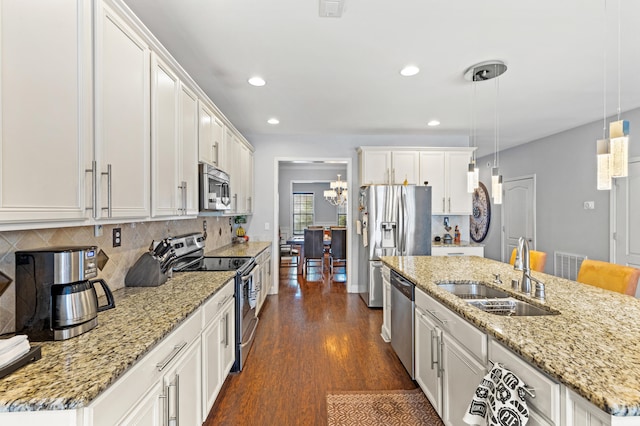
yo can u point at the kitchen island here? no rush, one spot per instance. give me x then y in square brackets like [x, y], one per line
[590, 347]
[74, 372]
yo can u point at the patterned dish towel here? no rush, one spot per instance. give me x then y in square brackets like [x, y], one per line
[498, 400]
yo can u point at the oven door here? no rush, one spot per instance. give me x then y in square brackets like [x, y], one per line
[247, 319]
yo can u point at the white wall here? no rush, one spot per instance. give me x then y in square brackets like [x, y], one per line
[565, 169]
[270, 148]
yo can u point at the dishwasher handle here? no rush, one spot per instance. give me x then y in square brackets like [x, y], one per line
[406, 287]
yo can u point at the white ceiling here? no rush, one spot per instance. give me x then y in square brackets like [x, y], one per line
[340, 76]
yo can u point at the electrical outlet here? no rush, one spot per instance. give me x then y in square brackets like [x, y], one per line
[589, 205]
[267, 226]
[117, 237]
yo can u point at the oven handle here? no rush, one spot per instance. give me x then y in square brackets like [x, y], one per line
[253, 332]
[248, 275]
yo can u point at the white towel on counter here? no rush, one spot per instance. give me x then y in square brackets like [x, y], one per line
[498, 400]
[13, 348]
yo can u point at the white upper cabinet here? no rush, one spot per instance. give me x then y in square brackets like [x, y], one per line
[165, 154]
[211, 138]
[46, 110]
[188, 151]
[384, 166]
[446, 173]
[122, 110]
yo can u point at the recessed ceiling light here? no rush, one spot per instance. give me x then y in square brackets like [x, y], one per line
[409, 70]
[433, 123]
[257, 81]
[273, 121]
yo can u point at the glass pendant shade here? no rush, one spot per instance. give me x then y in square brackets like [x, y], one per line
[619, 149]
[497, 194]
[470, 183]
[495, 177]
[603, 165]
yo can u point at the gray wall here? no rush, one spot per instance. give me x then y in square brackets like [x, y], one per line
[325, 212]
[565, 168]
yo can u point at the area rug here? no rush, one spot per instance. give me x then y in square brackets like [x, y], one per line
[389, 408]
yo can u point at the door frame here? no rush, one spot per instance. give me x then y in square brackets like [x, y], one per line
[613, 211]
[535, 220]
[352, 204]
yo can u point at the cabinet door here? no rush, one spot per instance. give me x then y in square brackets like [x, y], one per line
[459, 200]
[228, 339]
[432, 171]
[376, 167]
[235, 169]
[122, 119]
[206, 152]
[219, 133]
[245, 174]
[386, 308]
[148, 412]
[462, 374]
[212, 374]
[428, 358]
[182, 387]
[189, 151]
[405, 165]
[45, 96]
[165, 90]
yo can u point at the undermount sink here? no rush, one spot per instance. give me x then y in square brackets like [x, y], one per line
[510, 308]
[492, 300]
[472, 290]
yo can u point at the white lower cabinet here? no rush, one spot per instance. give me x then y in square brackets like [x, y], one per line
[461, 374]
[148, 412]
[218, 344]
[386, 304]
[182, 401]
[450, 358]
[579, 412]
[264, 263]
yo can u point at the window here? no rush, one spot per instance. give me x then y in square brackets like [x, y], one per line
[302, 211]
[342, 214]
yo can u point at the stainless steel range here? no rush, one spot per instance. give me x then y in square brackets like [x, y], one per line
[245, 292]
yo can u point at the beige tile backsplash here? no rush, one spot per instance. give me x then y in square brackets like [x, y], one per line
[136, 238]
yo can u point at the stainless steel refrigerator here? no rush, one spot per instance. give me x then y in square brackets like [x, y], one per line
[395, 220]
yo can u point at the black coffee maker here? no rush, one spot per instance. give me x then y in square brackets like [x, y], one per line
[55, 299]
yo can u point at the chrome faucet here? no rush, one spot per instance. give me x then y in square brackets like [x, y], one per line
[522, 263]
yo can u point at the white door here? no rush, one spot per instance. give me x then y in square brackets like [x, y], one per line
[428, 358]
[518, 214]
[626, 228]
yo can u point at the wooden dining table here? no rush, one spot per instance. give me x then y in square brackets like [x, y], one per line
[298, 242]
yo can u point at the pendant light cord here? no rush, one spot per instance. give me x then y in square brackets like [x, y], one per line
[619, 56]
[604, 72]
[496, 123]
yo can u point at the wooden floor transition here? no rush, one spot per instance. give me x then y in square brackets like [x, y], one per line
[313, 338]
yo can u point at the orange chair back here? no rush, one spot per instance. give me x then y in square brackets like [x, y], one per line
[610, 276]
[537, 259]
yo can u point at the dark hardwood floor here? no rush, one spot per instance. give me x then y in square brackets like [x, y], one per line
[313, 338]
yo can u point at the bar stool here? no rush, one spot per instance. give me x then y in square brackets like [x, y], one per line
[609, 276]
[537, 259]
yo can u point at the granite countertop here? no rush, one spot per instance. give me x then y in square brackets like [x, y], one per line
[591, 347]
[248, 249]
[74, 372]
[460, 244]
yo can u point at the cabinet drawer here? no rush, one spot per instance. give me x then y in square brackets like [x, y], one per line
[547, 400]
[457, 251]
[466, 334]
[119, 398]
[214, 305]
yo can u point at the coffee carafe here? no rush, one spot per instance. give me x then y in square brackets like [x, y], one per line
[55, 298]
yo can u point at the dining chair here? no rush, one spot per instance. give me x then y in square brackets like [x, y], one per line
[288, 251]
[313, 248]
[338, 251]
[610, 276]
[537, 259]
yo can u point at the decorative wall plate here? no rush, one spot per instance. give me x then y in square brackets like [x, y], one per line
[481, 217]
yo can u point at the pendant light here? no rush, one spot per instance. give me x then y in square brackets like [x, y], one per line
[481, 72]
[613, 152]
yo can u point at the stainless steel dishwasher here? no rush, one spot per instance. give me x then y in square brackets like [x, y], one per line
[402, 319]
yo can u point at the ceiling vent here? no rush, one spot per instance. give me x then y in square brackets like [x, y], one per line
[331, 8]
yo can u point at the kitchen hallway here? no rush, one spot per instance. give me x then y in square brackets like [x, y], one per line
[313, 338]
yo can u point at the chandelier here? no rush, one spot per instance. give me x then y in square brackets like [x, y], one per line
[337, 195]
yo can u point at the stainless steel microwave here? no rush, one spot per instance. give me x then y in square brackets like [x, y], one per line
[214, 189]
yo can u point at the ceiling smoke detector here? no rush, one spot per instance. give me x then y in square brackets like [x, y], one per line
[331, 8]
[485, 71]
